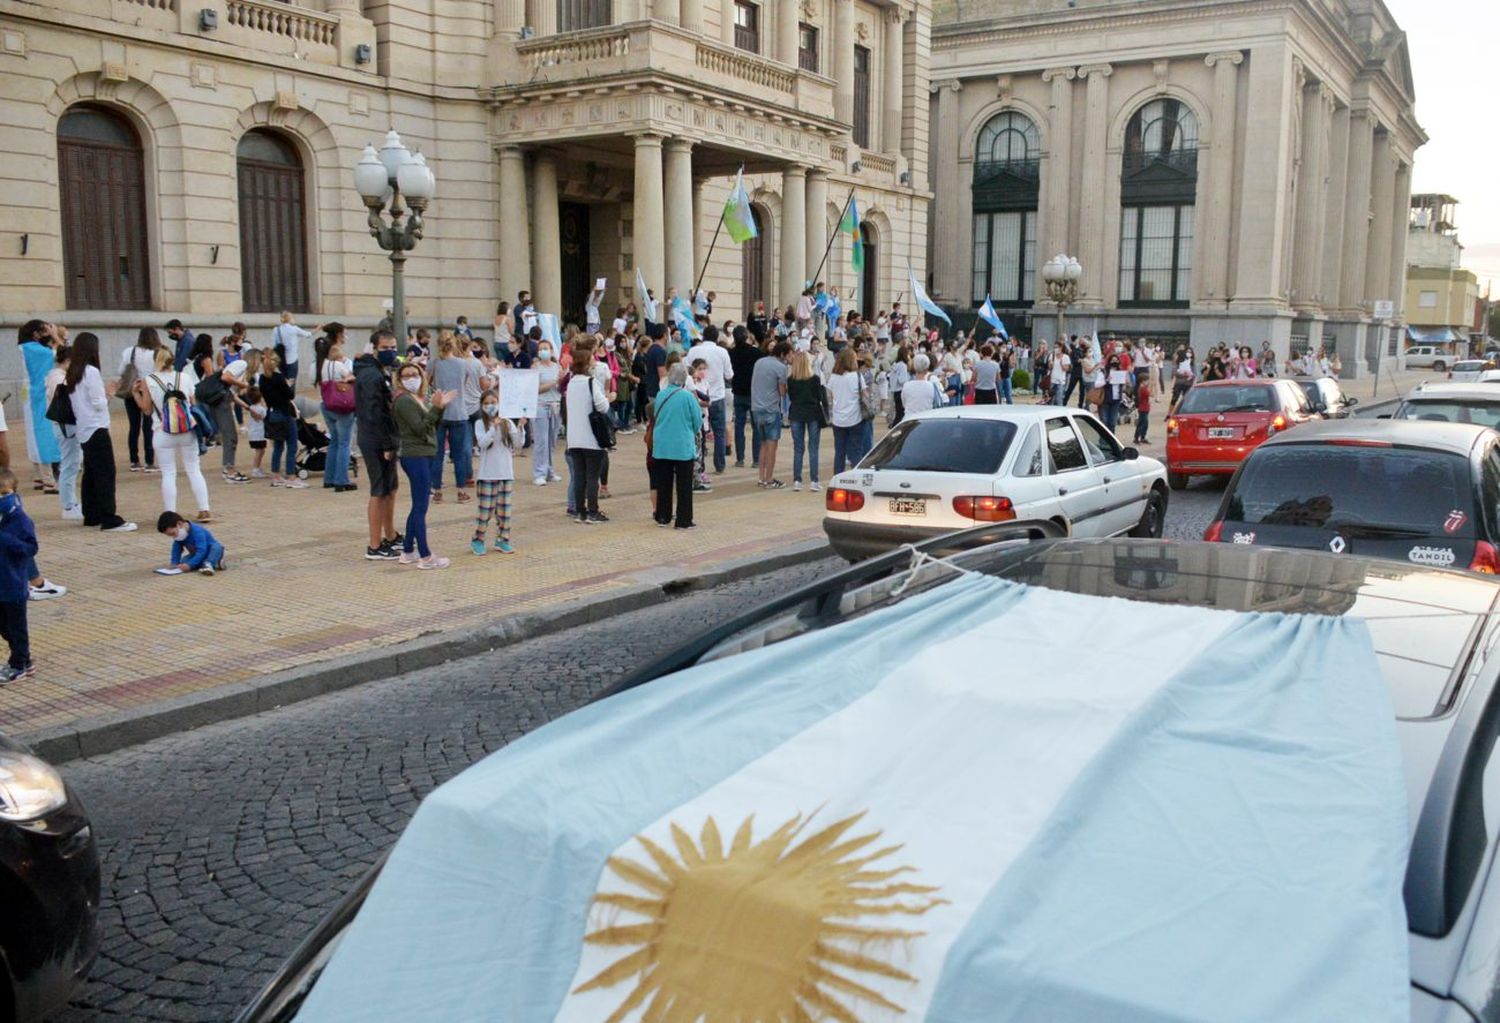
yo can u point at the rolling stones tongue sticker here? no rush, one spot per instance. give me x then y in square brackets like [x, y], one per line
[1454, 522]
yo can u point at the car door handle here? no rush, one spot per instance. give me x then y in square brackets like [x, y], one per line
[1062, 491]
[1107, 479]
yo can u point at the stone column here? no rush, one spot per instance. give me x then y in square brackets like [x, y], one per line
[1312, 173]
[679, 216]
[945, 256]
[1400, 219]
[1214, 278]
[544, 20]
[843, 58]
[1095, 166]
[700, 249]
[793, 233]
[515, 226]
[817, 220]
[545, 229]
[690, 15]
[787, 36]
[890, 139]
[726, 22]
[510, 15]
[648, 232]
[1356, 211]
[1264, 181]
[1382, 188]
[665, 10]
[1057, 186]
[1333, 213]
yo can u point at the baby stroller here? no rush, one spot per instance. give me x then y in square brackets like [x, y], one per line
[312, 448]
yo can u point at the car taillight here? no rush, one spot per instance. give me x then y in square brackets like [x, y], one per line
[1171, 426]
[1279, 423]
[841, 500]
[1214, 533]
[1485, 559]
[985, 509]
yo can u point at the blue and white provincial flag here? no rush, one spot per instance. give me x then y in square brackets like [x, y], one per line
[988, 315]
[884, 820]
[926, 304]
[643, 299]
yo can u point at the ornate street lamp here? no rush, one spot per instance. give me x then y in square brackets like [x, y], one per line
[401, 178]
[1060, 276]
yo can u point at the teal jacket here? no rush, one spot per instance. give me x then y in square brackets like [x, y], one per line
[678, 421]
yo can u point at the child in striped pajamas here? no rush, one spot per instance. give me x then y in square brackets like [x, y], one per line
[497, 441]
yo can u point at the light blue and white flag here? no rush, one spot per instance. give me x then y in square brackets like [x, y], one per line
[988, 315]
[551, 329]
[926, 304]
[881, 820]
[682, 318]
[643, 299]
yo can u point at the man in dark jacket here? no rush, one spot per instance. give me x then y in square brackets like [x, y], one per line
[378, 442]
[742, 357]
[185, 339]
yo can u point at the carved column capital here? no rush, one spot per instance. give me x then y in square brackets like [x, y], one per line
[1067, 73]
[1234, 57]
[1100, 70]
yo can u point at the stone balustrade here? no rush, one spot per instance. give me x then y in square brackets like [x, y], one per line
[275, 19]
[745, 67]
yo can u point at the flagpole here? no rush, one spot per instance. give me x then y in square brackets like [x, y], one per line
[708, 258]
[817, 274]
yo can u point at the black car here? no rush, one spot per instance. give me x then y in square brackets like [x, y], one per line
[1426, 493]
[49, 888]
[1445, 694]
[1327, 397]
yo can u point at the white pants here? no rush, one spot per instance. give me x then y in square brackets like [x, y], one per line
[172, 451]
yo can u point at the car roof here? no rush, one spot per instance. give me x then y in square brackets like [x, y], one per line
[1247, 382]
[1483, 391]
[1457, 438]
[1310, 380]
[1002, 412]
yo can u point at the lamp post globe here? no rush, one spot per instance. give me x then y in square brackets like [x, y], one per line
[398, 185]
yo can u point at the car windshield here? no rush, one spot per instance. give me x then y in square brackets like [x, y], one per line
[1485, 413]
[1468, 366]
[1388, 491]
[1310, 388]
[944, 445]
[1252, 398]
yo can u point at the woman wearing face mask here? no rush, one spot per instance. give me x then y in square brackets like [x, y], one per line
[416, 421]
[335, 376]
[548, 422]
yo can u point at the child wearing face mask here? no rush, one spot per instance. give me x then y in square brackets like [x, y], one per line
[547, 425]
[203, 553]
[498, 440]
[18, 549]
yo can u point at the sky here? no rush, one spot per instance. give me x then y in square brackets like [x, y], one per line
[1450, 41]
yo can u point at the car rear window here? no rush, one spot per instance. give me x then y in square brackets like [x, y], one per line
[1485, 413]
[1468, 366]
[1327, 486]
[944, 445]
[1251, 398]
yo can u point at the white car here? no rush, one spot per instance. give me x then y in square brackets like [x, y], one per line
[955, 468]
[1428, 356]
[1467, 371]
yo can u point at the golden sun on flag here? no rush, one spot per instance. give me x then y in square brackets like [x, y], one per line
[759, 932]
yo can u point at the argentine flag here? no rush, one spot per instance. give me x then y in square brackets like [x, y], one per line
[920, 294]
[739, 220]
[988, 315]
[551, 330]
[682, 318]
[643, 297]
[918, 814]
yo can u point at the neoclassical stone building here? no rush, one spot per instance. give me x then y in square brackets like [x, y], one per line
[1225, 170]
[193, 158]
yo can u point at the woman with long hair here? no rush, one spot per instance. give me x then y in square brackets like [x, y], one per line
[140, 360]
[90, 397]
[585, 456]
[335, 376]
[807, 411]
[843, 394]
[416, 421]
[37, 340]
[176, 443]
[281, 422]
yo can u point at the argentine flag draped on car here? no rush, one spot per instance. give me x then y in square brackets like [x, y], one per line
[919, 815]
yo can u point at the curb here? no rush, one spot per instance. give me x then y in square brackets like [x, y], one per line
[110, 732]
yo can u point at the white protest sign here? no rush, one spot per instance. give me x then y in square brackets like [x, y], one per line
[599, 284]
[518, 393]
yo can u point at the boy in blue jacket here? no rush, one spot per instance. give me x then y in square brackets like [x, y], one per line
[203, 553]
[18, 547]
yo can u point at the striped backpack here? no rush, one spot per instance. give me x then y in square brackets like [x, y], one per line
[175, 417]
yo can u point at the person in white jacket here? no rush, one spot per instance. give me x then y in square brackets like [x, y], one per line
[497, 440]
[585, 456]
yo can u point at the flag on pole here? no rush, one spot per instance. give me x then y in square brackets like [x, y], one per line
[926, 304]
[850, 223]
[682, 318]
[643, 297]
[1096, 355]
[739, 220]
[988, 315]
[551, 330]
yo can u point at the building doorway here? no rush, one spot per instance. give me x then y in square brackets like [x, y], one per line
[273, 225]
[869, 278]
[573, 230]
[102, 175]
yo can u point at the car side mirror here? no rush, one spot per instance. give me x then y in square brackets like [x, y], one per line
[1130, 454]
[1384, 415]
[1350, 401]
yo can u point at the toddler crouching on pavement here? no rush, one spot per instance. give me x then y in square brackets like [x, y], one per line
[204, 553]
[18, 547]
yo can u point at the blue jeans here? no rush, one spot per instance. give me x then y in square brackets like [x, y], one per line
[453, 435]
[845, 447]
[419, 475]
[1110, 413]
[284, 451]
[1142, 424]
[741, 416]
[67, 470]
[1005, 391]
[621, 410]
[805, 435]
[716, 423]
[340, 434]
[866, 438]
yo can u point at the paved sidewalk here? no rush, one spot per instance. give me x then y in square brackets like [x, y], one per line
[299, 590]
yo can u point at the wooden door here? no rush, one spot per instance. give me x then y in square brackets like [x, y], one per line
[102, 185]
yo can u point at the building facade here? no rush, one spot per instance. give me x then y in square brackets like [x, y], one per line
[1224, 170]
[194, 159]
[1443, 306]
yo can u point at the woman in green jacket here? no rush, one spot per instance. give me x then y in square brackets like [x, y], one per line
[674, 446]
[416, 424]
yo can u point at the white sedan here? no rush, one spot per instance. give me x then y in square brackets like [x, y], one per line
[954, 468]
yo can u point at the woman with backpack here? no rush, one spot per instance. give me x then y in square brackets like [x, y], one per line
[281, 423]
[167, 397]
[90, 397]
[335, 375]
[136, 363]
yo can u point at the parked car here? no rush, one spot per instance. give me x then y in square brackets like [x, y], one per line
[1422, 493]
[1452, 403]
[1428, 356]
[49, 888]
[1327, 397]
[1467, 371]
[1434, 633]
[951, 468]
[1219, 422]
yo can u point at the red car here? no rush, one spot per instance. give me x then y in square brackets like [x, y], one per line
[1219, 422]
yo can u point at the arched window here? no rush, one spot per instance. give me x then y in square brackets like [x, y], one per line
[1158, 183]
[102, 188]
[273, 224]
[753, 273]
[1007, 177]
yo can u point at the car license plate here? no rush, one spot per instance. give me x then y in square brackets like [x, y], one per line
[1220, 432]
[908, 506]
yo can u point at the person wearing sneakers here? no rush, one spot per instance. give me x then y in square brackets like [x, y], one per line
[416, 422]
[281, 422]
[547, 425]
[172, 428]
[139, 360]
[498, 441]
[767, 389]
[677, 423]
[18, 550]
[585, 456]
[90, 397]
[379, 442]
